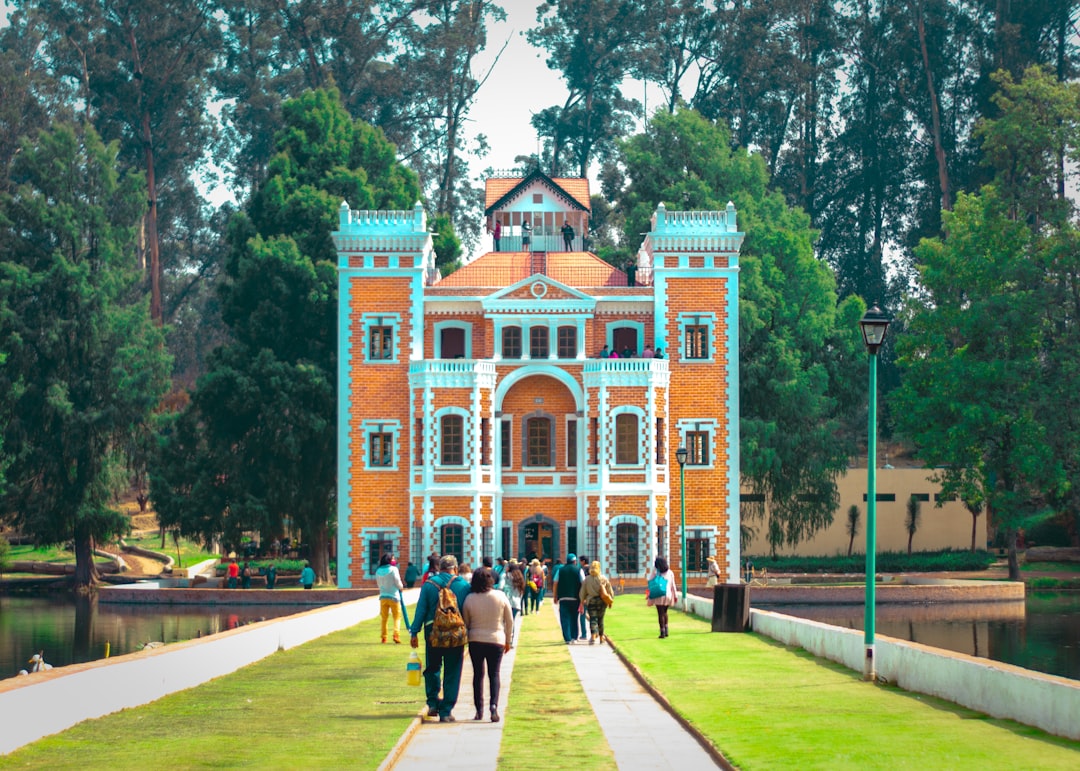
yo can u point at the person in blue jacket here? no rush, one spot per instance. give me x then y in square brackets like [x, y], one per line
[307, 576]
[442, 663]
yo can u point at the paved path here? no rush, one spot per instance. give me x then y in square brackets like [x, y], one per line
[642, 734]
[466, 744]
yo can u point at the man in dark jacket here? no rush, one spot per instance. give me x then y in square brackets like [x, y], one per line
[566, 590]
[446, 661]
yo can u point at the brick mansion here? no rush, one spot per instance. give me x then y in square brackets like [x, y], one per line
[530, 404]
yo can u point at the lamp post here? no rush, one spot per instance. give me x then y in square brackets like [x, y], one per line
[873, 325]
[680, 455]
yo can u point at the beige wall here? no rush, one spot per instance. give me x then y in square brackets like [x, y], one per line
[940, 527]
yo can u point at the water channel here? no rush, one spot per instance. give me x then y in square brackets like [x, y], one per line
[73, 630]
[1040, 633]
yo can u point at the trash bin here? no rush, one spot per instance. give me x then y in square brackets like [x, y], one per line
[731, 608]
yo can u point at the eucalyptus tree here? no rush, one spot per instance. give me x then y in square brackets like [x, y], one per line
[800, 356]
[85, 365]
[595, 45]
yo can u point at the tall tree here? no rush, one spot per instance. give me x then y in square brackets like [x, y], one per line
[85, 365]
[593, 43]
[141, 70]
[257, 444]
[798, 345]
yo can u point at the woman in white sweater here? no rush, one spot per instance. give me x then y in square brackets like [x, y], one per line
[490, 623]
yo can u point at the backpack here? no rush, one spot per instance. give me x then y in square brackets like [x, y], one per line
[657, 587]
[448, 630]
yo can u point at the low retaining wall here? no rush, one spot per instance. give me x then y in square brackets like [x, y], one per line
[44, 703]
[911, 590]
[150, 594]
[1000, 690]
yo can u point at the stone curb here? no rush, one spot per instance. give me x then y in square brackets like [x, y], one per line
[706, 745]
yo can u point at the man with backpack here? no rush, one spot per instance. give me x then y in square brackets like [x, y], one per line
[438, 614]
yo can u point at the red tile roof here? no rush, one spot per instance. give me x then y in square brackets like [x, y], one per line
[575, 187]
[501, 269]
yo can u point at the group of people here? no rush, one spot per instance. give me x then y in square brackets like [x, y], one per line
[567, 231]
[489, 602]
[489, 623]
[235, 574]
[630, 353]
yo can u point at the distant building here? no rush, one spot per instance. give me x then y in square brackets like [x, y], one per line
[475, 418]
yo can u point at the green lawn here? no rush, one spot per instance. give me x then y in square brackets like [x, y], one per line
[549, 711]
[766, 706]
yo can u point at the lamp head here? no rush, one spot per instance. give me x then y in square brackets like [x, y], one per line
[680, 455]
[873, 325]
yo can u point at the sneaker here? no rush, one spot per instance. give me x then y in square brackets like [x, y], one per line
[432, 712]
[592, 641]
[447, 719]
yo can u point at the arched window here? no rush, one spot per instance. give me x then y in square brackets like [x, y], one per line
[626, 547]
[626, 439]
[538, 442]
[453, 541]
[511, 342]
[452, 440]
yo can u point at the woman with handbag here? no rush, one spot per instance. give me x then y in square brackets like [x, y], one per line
[597, 596]
[661, 592]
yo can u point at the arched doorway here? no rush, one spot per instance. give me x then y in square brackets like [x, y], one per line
[539, 538]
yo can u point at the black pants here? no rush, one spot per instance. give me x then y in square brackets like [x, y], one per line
[661, 616]
[481, 653]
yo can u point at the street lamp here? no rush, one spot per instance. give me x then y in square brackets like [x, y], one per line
[680, 455]
[873, 325]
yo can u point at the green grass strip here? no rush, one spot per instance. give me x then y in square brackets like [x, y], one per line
[549, 722]
[768, 706]
[338, 702]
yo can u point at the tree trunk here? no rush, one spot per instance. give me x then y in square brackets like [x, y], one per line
[909, 539]
[319, 548]
[1014, 562]
[974, 524]
[850, 545]
[935, 115]
[86, 575]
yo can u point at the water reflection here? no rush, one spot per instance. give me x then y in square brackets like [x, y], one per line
[73, 630]
[1041, 633]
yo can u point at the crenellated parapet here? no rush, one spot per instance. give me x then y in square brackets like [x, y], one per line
[384, 238]
[692, 232]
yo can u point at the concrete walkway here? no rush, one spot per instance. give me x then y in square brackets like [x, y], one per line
[641, 733]
[467, 744]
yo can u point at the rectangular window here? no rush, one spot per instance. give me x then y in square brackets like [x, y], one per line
[882, 497]
[511, 342]
[567, 342]
[538, 433]
[376, 548]
[921, 496]
[538, 343]
[571, 540]
[506, 542]
[419, 441]
[485, 442]
[626, 547]
[626, 439]
[380, 450]
[380, 343]
[697, 551]
[571, 444]
[453, 537]
[661, 442]
[594, 441]
[453, 441]
[697, 446]
[697, 342]
[505, 450]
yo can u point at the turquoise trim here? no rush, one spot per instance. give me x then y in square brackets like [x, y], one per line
[733, 407]
[373, 426]
[637, 326]
[392, 320]
[344, 462]
[688, 319]
[463, 325]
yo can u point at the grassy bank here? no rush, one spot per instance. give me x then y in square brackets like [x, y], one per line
[766, 706]
[887, 562]
[338, 702]
[549, 712]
